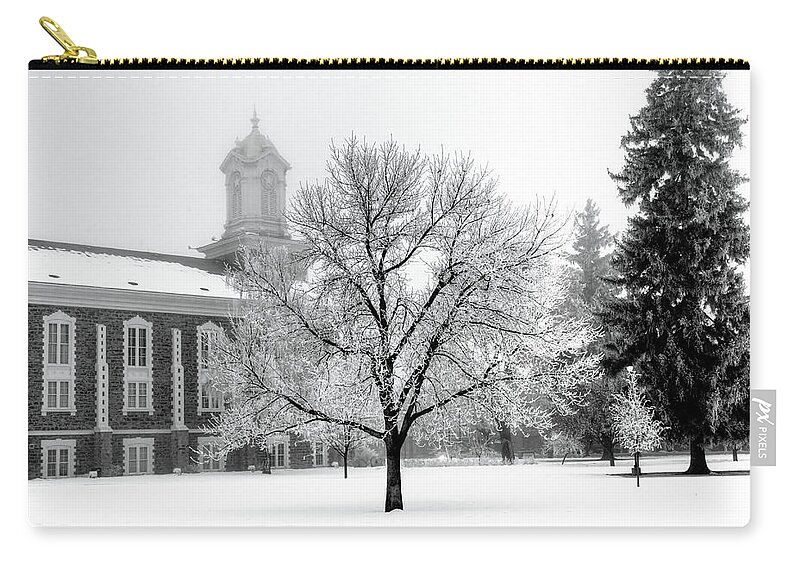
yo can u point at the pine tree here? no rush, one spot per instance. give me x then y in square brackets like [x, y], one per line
[591, 258]
[684, 316]
[590, 288]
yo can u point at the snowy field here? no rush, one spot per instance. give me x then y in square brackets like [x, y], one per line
[579, 493]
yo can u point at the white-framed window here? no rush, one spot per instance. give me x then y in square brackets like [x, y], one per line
[209, 399]
[279, 452]
[319, 454]
[58, 392]
[58, 458]
[138, 455]
[138, 374]
[208, 453]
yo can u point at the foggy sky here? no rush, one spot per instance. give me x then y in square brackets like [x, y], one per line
[131, 159]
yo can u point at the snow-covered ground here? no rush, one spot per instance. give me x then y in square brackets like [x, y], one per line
[579, 493]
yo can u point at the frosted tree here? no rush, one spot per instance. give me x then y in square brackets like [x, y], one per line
[478, 440]
[422, 299]
[563, 443]
[635, 424]
[343, 439]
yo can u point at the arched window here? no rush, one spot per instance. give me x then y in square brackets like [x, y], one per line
[209, 399]
[269, 196]
[235, 189]
[59, 363]
[138, 366]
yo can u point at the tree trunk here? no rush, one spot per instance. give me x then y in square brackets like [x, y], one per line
[267, 469]
[697, 463]
[565, 458]
[507, 446]
[608, 451]
[608, 455]
[344, 459]
[735, 454]
[394, 492]
[636, 466]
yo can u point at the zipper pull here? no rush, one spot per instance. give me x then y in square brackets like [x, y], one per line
[72, 52]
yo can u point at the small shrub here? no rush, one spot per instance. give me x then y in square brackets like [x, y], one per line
[192, 467]
[443, 461]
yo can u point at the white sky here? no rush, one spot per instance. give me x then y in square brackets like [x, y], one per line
[131, 159]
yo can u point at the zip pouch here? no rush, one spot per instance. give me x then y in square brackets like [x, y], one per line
[387, 293]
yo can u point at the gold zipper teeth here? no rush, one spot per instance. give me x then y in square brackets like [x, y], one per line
[448, 62]
[77, 55]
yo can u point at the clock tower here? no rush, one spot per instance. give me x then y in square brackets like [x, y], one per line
[255, 191]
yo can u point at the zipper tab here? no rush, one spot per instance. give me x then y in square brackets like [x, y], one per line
[72, 52]
[75, 54]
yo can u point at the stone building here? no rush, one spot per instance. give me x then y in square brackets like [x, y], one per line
[118, 341]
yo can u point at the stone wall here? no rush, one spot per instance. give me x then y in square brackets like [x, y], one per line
[85, 374]
[104, 451]
[90, 452]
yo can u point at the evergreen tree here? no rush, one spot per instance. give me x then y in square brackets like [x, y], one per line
[590, 288]
[591, 258]
[684, 316]
[735, 431]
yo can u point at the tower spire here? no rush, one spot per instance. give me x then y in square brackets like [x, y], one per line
[255, 191]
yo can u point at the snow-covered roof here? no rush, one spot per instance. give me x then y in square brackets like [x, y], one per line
[89, 266]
